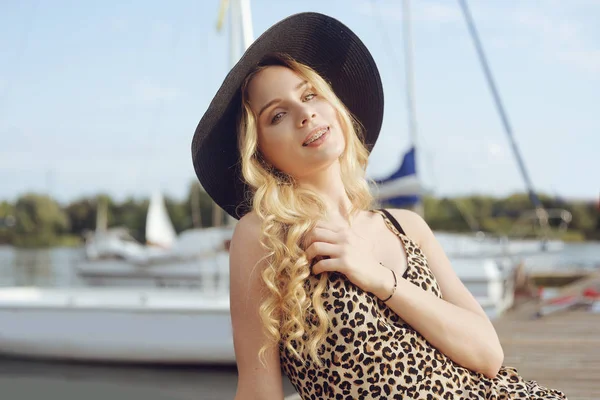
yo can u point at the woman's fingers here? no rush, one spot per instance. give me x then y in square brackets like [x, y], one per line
[321, 235]
[329, 226]
[326, 265]
[321, 249]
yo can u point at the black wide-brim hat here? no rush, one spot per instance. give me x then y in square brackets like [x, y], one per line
[321, 42]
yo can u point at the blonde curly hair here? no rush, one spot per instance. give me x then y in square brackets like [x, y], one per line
[287, 213]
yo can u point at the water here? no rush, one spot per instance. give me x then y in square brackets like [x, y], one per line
[29, 379]
[43, 267]
[584, 256]
[54, 267]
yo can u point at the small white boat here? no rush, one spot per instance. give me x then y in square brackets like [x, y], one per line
[200, 272]
[490, 281]
[481, 246]
[198, 255]
[163, 245]
[117, 325]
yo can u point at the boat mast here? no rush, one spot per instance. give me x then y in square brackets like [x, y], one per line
[409, 74]
[246, 21]
[241, 36]
[410, 89]
[540, 210]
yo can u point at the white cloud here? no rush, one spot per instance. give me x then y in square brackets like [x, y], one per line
[494, 149]
[499, 154]
[559, 37]
[558, 31]
[588, 60]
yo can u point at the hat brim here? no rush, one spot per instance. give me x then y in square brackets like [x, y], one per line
[321, 42]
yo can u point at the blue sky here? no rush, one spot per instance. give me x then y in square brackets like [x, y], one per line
[105, 96]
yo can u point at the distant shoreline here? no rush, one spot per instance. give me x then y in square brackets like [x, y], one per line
[37, 220]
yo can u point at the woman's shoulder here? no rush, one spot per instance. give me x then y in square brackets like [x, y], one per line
[248, 223]
[413, 224]
[246, 235]
[246, 253]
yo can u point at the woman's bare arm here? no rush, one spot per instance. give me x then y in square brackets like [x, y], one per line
[456, 325]
[255, 380]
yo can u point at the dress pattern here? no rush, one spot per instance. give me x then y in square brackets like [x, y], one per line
[371, 353]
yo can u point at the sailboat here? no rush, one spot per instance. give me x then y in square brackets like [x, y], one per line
[196, 255]
[117, 243]
[190, 259]
[159, 228]
[403, 187]
[484, 262]
[114, 242]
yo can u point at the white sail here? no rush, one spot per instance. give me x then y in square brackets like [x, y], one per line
[159, 229]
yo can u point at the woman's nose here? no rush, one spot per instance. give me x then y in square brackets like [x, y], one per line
[306, 116]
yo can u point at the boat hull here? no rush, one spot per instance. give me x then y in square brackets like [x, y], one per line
[106, 326]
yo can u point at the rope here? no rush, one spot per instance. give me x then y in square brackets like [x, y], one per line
[542, 215]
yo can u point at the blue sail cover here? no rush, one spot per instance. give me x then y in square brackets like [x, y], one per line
[402, 188]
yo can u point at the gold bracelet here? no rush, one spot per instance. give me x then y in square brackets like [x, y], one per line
[395, 285]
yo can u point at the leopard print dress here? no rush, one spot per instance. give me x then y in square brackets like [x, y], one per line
[371, 353]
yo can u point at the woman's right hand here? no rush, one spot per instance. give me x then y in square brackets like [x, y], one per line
[336, 248]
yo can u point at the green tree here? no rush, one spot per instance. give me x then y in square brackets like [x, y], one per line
[445, 214]
[583, 216]
[7, 220]
[179, 212]
[39, 221]
[82, 215]
[131, 214]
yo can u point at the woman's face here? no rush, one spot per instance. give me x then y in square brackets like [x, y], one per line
[298, 130]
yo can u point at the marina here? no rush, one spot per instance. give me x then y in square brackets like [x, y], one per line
[179, 323]
[559, 350]
[124, 293]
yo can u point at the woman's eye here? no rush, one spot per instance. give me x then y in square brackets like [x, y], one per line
[276, 117]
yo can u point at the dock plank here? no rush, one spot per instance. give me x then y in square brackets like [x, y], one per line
[560, 350]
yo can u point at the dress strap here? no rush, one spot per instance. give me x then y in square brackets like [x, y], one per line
[393, 220]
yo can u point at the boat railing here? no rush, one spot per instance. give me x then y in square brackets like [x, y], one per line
[543, 223]
[532, 224]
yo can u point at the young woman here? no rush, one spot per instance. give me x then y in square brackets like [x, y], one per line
[350, 302]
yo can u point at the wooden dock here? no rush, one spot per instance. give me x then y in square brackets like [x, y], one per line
[560, 350]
